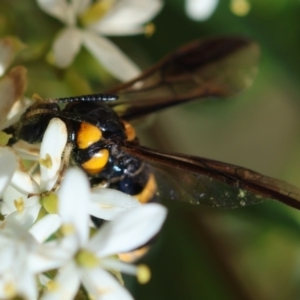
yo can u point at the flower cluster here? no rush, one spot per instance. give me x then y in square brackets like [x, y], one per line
[49, 248]
[87, 24]
[32, 244]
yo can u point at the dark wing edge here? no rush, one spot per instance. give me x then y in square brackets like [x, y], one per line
[213, 67]
[248, 186]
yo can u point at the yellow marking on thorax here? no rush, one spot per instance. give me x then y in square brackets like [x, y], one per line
[87, 135]
[97, 162]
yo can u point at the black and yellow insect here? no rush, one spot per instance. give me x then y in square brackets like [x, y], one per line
[103, 143]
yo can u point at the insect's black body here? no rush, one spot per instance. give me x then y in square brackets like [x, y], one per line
[104, 144]
[120, 170]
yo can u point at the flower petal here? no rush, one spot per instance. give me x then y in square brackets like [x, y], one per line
[200, 10]
[129, 230]
[20, 282]
[104, 286]
[9, 196]
[8, 163]
[66, 284]
[80, 6]
[59, 9]
[66, 46]
[25, 218]
[127, 17]
[23, 182]
[7, 256]
[53, 145]
[110, 57]
[74, 195]
[46, 226]
[27, 151]
[47, 257]
[27, 283]
[107, 203]
[12, 88]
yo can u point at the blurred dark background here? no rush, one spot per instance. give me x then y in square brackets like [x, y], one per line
[201, 253]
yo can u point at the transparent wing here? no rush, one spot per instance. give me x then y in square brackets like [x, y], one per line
[215, 67]
[203, 181]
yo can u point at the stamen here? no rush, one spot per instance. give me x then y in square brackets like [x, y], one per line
[46, 162]
[115, 264]
[149, 29]
[143, 274]
[240, 7]
[19, 204]
[10, 290]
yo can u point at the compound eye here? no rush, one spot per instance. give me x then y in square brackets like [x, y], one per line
[95, 164]
[87, 135]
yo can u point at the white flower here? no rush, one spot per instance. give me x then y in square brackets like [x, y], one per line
[84, 259]
[200, 10]
[16, 245]
[16, 202]
[103, 203]
[19, 256]
[106, 17]
[107, 203]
